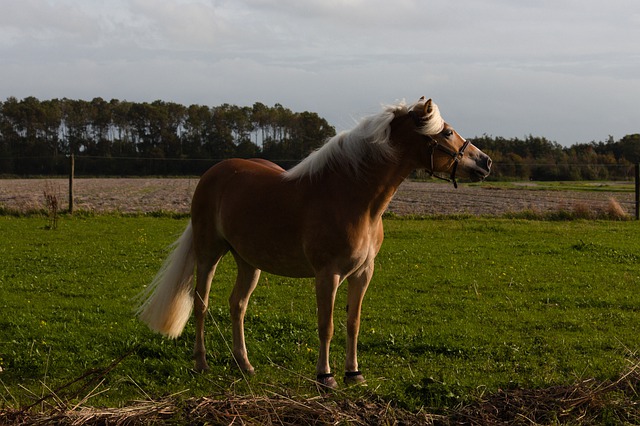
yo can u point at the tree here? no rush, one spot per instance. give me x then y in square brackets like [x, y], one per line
[100, 116]
[260, 117]
[121, 129]
[76, 126]
[196, 129]
[220, 143]
[630, 147]
[309, 132]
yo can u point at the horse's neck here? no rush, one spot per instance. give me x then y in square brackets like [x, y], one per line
[371, 194]
[387, 185]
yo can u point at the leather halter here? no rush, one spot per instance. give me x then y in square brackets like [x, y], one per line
[455, 155]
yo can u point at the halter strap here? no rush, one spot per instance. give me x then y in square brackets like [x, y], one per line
[456, 155]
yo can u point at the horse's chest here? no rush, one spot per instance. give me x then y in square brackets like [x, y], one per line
[343, 249]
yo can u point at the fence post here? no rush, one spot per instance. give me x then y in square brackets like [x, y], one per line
[637, 181]
[72, 165]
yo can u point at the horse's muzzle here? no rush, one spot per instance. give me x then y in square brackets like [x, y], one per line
[482, 168]
[487, 165]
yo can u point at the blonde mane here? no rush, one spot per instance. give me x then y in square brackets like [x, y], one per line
[348, 151]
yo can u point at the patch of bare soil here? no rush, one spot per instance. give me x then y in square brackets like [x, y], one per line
[143, 195]
[486, 200]
[126, 195]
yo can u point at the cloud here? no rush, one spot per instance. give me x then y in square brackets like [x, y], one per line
[191, 25]
[35, 21]
[499, 67]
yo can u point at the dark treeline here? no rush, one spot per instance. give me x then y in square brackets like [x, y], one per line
[536, 158]
[164, 138]
[128, 138]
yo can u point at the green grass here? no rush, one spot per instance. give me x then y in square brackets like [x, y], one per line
[456, 308]
[582, 186]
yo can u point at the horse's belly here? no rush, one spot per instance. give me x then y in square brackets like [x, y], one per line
[276, 260]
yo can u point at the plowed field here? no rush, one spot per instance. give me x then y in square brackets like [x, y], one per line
[131, 195]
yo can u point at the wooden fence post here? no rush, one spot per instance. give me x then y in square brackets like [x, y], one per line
[637, 181]
[72, 165]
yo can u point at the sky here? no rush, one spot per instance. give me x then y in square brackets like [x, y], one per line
[568, 70]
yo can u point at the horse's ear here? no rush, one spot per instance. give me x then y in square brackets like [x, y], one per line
[424, 109]
[428, 108]
[427, 116]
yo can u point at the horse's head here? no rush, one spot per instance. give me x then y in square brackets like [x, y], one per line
[439, 149]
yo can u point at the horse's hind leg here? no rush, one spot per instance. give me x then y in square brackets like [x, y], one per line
[245, 284]
[206, 268]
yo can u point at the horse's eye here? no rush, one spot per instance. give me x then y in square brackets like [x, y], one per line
[448, 133]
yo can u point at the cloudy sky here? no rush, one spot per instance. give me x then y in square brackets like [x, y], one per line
[568, 70]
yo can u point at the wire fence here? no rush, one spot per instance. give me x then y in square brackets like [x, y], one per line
[91, 165]
[416, 197]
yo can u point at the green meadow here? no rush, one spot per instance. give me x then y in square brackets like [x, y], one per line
[458, 308]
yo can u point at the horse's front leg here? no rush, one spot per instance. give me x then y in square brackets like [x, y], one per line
[326, 287]
[358, 284]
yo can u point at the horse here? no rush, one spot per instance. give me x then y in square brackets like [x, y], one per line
[321, 219]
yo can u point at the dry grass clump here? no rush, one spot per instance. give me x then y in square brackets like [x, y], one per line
[615, 211]
[275, 410]
[582, 210]
[51, 205]
[612, 211]
[588, 402]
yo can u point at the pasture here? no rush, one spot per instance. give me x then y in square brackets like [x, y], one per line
[458, 309]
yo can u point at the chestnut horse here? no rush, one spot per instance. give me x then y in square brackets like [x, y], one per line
[320, 219]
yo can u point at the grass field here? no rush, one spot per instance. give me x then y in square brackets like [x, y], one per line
[586, 185]
[457, 309]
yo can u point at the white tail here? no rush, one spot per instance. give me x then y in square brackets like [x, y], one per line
[168, 301]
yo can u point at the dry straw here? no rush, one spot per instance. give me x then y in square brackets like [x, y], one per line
[587, 402]
[273, 410]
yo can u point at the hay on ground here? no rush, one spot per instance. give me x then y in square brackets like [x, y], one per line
[587, 402]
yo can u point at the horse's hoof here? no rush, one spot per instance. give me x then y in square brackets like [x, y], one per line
[326, 382]
[200, 362]
[354, 378]
[202, 368]
[249, 371]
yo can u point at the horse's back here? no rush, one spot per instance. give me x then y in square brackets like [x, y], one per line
[241, 174]
[236, 188]
[267, 163]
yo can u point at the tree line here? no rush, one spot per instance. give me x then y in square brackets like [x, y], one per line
[537, 158]
[164, 138]
[121, 137]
